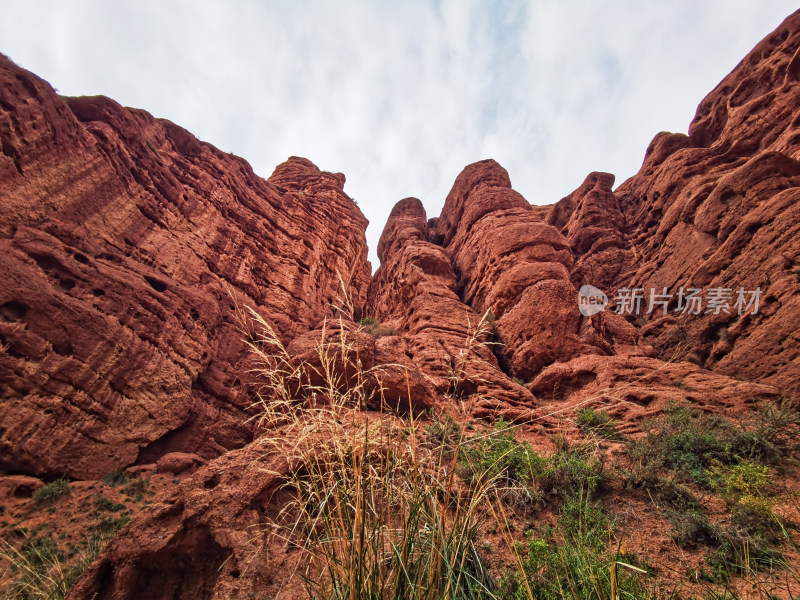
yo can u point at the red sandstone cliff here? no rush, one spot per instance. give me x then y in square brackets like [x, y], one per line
[719, 208]
[120, 236]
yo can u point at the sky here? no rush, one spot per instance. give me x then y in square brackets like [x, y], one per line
[400, 96]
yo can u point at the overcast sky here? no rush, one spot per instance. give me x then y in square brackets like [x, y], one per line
[400, 96]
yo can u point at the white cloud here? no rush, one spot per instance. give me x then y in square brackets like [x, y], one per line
[401, 96]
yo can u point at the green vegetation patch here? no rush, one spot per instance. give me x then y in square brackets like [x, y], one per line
[51, 492]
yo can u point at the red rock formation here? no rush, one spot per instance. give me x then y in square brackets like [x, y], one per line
[19, 486]
[367, 368]
[591, 220]
[415, 290]
[177, 462]
[631, 388]
[510, 261]
[208, 539]
[719, 208]
[121, 237]
[512, 267]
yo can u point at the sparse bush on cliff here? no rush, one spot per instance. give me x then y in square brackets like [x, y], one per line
[373, 327]
[597, 422]
[51, 492]
[515, 466]
[382, 507]
[689, 442]
[116, 478]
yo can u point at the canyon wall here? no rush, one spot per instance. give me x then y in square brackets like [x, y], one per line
[718, 208]
[125, 247]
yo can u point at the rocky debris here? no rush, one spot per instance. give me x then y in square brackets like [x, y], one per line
[19, 486]
[125, 246]
[178, 462]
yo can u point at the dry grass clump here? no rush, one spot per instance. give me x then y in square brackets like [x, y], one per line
[381, 508]
[374, 514]
[337, 379]
[42, 572]
[376, 519]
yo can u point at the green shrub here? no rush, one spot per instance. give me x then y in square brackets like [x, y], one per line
[574, 563]
[670, 494]
[116, 478]
[108, 526]
[568, 471]
[692, 528]
[104, 503]
[731, 459]
[500, 456]
[684, 441]
[136, 488]
[597, 422]
[51, 492]
[444, 434]
[373, 327]
[689, 442]
[770, 434]
[522, 473]
[744, 481]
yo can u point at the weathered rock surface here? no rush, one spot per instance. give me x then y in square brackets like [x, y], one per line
[209, 539]
[482, 295]
[368, 369]
[178, 462]
[415, 291]
[510, 262]
[124, 244]
[592, 222]
[716, 208]
[719, 208]
[19, 486]
[631, 388]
